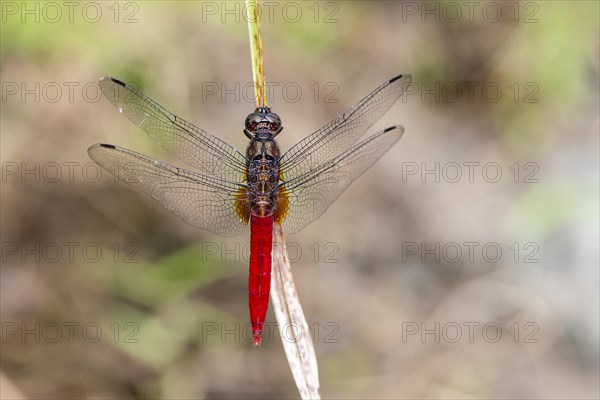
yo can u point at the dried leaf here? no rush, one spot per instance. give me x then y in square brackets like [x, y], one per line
[293, 328]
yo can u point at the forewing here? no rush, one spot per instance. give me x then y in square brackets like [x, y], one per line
[340, 134]
[192, 145]
[310, 194]
[203, 201]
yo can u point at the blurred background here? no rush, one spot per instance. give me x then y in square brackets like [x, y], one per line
[464, 264]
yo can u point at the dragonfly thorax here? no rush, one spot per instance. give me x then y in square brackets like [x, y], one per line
[262, 176]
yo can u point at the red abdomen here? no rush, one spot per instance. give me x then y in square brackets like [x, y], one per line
[259, 281]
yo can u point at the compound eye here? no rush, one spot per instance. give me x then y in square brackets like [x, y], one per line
[252, 120]
[274, 120]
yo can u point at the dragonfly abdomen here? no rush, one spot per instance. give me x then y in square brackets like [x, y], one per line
[259, 279]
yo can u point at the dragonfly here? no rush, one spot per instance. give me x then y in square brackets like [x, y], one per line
[229, 190]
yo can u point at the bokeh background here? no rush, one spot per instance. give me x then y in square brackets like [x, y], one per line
[104, 294]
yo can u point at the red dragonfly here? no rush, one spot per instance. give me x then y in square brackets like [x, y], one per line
[262, 187]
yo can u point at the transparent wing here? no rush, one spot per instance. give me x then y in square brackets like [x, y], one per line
[203, 201]
[311, 193]
[192, 145]
[341, 133]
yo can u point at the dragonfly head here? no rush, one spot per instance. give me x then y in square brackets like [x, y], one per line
[262, 124]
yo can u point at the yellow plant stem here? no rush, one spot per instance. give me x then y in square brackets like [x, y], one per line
[258, 72]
